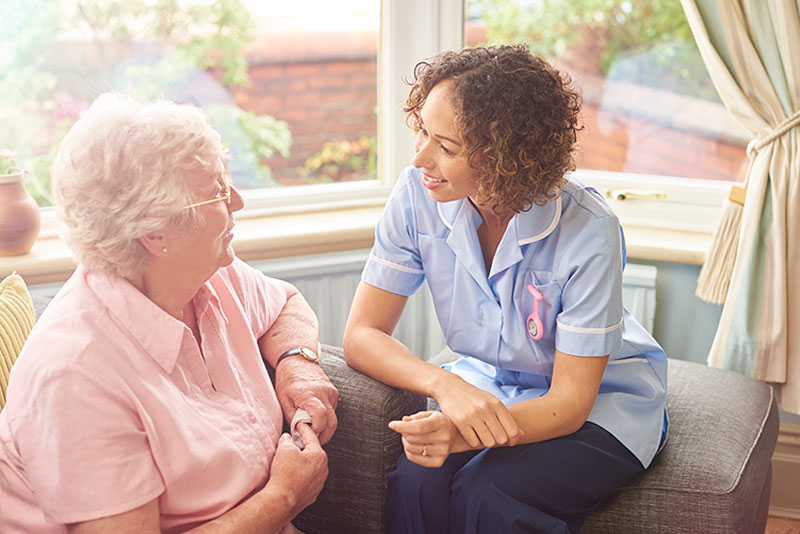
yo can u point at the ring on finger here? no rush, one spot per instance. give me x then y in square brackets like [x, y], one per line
[424, 450]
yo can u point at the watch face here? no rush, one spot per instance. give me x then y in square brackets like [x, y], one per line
[308, 354]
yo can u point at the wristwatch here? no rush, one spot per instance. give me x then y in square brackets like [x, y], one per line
[306, 353]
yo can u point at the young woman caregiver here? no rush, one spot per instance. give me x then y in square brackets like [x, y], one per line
[559, 395]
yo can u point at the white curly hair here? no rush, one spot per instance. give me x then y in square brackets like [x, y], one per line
[124, 170]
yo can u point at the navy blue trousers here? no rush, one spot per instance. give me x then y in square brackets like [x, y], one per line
[551, 486]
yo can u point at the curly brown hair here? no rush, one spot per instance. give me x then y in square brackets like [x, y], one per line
[517, 114]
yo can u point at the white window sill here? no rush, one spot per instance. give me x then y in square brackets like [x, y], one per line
[298, 234]
[656, 244]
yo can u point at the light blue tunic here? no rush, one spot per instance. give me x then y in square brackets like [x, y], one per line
[572, 251]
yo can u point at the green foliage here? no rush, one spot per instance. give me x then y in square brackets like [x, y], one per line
[344, 160]
[38, 180]
[56, 56]
[251, 138]
[205, 34]
[25, 84]
[8, 162]
[627, 33]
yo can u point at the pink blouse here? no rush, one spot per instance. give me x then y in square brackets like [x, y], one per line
[111, 405]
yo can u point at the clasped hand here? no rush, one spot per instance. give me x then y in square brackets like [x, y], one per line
[300, 474]
[480, 417]
[302, 384]
[428, 437]
[470, 419]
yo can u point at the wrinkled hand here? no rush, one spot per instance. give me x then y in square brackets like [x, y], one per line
[480, 417]
[303, 384]
[428, 437]
[299, 474]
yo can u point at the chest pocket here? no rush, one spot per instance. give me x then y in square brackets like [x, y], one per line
[537, 310]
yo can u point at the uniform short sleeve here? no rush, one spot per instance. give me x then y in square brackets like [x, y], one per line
[590, 320]
[262, 297]
[84, 448]
[394, 262]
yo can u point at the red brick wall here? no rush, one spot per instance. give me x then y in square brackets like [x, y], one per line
[616, 141]
[325, 87]
[628, 144]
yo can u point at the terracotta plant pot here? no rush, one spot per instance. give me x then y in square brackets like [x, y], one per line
[19, 216]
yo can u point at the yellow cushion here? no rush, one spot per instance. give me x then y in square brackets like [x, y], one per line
[16, 320]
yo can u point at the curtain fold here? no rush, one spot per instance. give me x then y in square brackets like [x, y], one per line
[751, 49]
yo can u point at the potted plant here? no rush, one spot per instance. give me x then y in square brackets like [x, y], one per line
[19, 214]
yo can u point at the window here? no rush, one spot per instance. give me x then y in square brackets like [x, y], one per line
[292, 87]
[655, 131]
[47, 46]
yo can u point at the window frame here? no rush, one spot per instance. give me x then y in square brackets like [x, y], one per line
[431, 22]
[413, 30]
[409, 31]
[683, 205]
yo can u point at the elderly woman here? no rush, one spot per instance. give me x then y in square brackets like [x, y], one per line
[559, 396]
[141, 401]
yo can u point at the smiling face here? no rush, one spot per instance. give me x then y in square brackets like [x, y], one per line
[207, 246]
[440, 151]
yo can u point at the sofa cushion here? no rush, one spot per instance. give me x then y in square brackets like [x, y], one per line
[713, 475]
[16, 321]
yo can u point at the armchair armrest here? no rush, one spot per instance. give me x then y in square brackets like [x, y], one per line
[361, 454]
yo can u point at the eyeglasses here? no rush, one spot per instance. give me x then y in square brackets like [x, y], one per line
[224, 194]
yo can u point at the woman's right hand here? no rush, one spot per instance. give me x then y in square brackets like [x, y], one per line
[298, 475]
[480, 417]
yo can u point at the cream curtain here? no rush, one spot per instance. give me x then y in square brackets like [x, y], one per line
[752, 51]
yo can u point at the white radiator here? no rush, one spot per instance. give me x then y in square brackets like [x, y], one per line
[328, 282]
[639, 293]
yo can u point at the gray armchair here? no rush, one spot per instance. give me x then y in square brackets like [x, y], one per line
[713, 475]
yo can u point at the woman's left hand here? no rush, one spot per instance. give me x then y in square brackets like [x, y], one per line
[303, 384]
[428, 437]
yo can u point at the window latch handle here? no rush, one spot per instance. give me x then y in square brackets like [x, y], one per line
[626, 194]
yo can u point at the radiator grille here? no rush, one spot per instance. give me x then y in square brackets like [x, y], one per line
[329, 281]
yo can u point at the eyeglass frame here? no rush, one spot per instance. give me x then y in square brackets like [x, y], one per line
[226, 197]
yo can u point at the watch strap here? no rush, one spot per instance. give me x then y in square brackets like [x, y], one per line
[298, 351]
